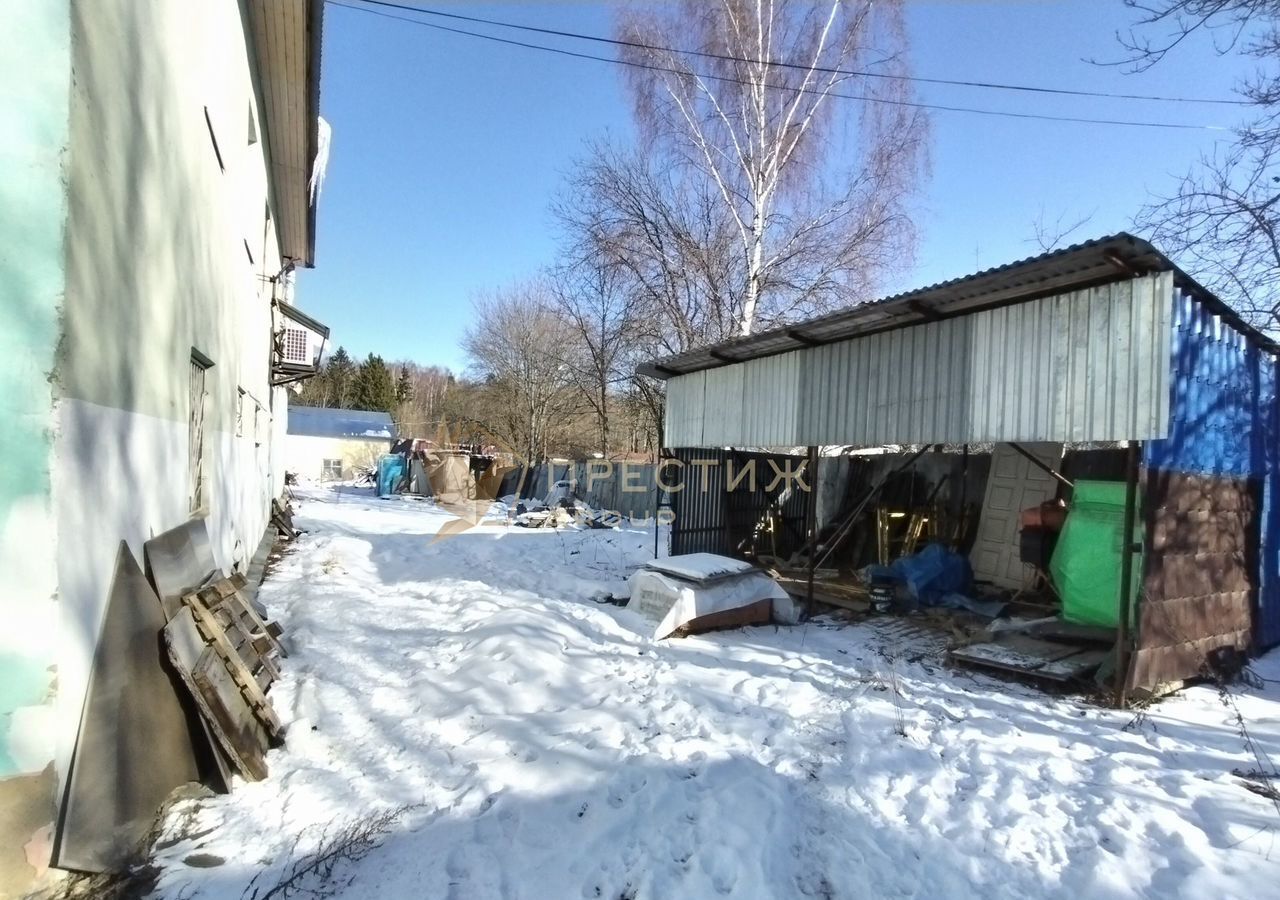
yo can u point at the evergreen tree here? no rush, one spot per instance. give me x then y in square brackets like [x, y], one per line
[340, 376]
[375, 389]
[404, 386]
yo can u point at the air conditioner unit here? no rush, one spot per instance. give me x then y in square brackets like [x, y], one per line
[295, 347]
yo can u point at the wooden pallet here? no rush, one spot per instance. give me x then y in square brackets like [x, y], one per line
[282, 518]
[243, 643]
[238, 733]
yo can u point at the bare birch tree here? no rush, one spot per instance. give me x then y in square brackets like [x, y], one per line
[757, 110]
[1223, 217]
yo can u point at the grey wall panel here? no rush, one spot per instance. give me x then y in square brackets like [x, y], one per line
[769, 411]
[1090, 365]
[906, 386]
[724, 403]
[683, 414]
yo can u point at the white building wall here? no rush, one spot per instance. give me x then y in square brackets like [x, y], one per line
[304, 455]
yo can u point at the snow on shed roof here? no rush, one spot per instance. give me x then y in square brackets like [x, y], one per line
[315, 421]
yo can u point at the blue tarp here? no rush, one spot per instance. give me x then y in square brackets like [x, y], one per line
[936, 576]
[390, 474]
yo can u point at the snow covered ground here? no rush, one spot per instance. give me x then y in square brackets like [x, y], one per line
[545, 748]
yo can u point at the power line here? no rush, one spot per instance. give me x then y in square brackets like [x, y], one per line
[655, 68]
[723, 57]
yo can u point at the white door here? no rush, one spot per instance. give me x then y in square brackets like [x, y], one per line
[1014, 484]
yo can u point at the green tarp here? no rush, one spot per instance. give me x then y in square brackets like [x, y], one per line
[1086, 562]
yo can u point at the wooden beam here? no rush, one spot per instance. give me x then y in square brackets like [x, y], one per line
[797, 335]
[1113, 257]
[928, 312]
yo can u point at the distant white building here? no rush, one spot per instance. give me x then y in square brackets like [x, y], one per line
[331, 444]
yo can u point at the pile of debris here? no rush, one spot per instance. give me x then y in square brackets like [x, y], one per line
[178, 692]
[562, 506]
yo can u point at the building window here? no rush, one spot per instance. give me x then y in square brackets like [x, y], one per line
[208, 121]
[200, 365]
[331, 470]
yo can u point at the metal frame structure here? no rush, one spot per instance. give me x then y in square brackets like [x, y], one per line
[1104, 341]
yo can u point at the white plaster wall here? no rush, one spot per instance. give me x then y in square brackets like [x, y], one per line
[156, 266]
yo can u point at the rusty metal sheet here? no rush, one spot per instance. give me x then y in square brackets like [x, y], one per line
[1199, 582]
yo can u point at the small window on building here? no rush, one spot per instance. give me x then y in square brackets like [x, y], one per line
[331, 470]
[253, 127]
[200, 365]
[213, 137]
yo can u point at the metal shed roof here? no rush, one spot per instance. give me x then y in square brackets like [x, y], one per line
[353, 424]
[1107, 259]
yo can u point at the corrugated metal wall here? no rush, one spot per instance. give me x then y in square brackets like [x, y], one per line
[750, 403]
[709, 518]
[1224, 425]
[1088, 365]
[898, 387]
[699, 512]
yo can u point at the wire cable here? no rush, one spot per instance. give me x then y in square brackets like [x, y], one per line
[1082, 120]
[724, 57]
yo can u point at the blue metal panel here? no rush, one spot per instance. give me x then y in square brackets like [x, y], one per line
[1219, 419]
[1267, 440]
[1223, 420]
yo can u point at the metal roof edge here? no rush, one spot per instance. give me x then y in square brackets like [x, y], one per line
[289, 311]
[315, 34]
[695, 360]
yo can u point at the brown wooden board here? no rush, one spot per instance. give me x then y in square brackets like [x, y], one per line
[756, 613]
[237, 730]
[852, 597]
[137, 741]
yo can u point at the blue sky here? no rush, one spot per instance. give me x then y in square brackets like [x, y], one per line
[447, 151]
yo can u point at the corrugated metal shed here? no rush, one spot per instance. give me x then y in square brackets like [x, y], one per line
[1088, 264]
[1088, 365]
[352, 424]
